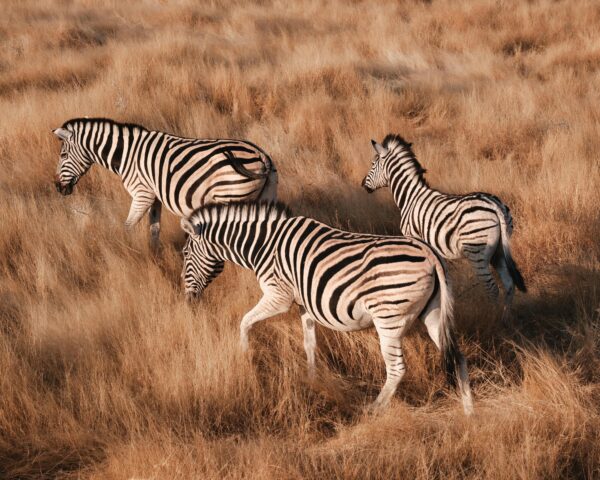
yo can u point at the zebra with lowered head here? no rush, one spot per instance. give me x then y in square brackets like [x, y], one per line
[344, 281]
[476, 226]
[162, 169]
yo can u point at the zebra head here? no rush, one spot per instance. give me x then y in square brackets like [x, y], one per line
[377, 175]
[74, 160]
[200, 264]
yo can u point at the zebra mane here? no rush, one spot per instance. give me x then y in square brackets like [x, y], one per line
[393, 140]
[84, 120]
[240, 212]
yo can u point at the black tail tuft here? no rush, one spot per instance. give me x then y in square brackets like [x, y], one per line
[451, 357]
[515, 274]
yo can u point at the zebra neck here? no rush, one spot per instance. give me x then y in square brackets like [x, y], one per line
[406, 186]
[118, 149]
[247, 244]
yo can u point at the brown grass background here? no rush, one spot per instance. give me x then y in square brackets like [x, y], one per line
[105, 371]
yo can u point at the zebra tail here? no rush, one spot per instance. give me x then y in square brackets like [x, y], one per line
[238, 166]
[505, 239]
[451, 356]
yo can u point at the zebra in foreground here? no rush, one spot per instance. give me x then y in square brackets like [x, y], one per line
[162, 169]
[344, 281]
[477, 226]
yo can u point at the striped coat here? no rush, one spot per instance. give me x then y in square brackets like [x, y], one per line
[162, 169]
[476, 226]
[342, 280]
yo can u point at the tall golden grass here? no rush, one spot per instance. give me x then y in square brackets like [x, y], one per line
[105, 371]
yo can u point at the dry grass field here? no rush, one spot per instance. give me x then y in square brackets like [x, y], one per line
[107, 373]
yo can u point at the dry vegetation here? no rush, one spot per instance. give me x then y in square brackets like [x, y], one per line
[108, 373]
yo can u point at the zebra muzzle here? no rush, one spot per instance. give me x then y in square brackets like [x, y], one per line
[365, 186]
[64, 189]
[191, 296]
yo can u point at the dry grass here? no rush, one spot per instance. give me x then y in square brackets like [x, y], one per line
[107, 373]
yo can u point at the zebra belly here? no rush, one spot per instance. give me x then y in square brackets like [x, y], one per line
[359, 320]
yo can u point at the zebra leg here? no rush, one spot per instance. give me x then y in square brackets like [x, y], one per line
[139, 206]
[154, 218]
[431, 318]
[390, 342]
[268, 306]
[499, 263]
[480, 261]
[310, 340]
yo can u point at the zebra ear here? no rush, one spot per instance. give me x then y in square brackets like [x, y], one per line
[189, 228]
[62, 133]
[380, 149]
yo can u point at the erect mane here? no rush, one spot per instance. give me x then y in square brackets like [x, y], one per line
[241, 212]
[393, 140]
[83, 120]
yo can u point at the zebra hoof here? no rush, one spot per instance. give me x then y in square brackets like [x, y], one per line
[375, 408]
[191, 297]
[467, 403]
[507, 316]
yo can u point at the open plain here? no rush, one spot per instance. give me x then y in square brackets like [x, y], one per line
[107, 373]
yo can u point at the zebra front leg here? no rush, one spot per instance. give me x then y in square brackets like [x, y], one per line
[390, 337]
[268, 306]
[139, 206]
[310, 340]
[154, 218]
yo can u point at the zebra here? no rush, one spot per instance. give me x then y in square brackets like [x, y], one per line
[158, 168]
[476, 226]
[344, 281]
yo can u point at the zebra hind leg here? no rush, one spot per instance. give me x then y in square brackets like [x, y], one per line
[480, 261]
[501, 267]
[310, 341]
[154, 218]
[390, 337]
[431, 318]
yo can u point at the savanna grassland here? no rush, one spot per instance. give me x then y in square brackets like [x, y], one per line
[107, 373]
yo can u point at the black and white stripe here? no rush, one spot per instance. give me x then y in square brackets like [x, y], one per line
[476, 226]
[162, 169]
[344, 281]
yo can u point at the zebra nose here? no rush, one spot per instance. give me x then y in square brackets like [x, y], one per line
[64, 189]
[191, 296]
[364, 185]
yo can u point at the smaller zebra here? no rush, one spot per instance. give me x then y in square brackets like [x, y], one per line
[344, 281]
[476, 226]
